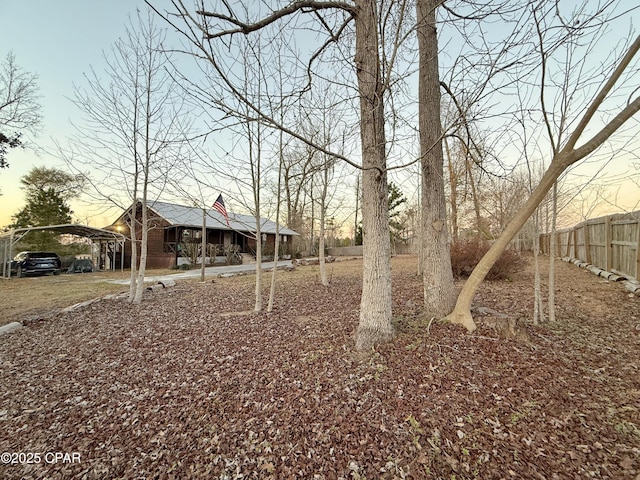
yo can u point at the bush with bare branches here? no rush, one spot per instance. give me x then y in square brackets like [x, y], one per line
[465, 255]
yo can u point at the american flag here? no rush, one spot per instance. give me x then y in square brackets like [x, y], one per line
[219, 206]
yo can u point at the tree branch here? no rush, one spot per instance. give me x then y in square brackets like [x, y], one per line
[597, 101]
[608, 130]
[245, 28]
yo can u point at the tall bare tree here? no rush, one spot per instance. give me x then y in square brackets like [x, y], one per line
[280, 157]
[324, 123]
[439, 290]
[375, 305]
[566, 155]
[20, 109]
[135, 128]
[375, 310]
[276, 246]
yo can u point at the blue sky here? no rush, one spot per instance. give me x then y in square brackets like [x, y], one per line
[59, 41]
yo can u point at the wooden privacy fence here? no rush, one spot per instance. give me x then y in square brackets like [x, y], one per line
[610, 243]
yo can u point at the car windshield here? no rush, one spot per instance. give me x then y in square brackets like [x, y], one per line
[42, 255]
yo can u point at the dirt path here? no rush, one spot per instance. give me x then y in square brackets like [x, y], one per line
[173, 389]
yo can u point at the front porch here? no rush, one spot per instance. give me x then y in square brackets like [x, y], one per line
[182, 245]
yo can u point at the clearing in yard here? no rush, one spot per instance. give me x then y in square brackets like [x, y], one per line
[22, 299]
[180, 387]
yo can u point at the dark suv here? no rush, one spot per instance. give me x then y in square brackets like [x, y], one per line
[36, 263]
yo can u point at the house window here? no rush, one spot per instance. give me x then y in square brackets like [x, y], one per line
[284, 239]
[264, 237]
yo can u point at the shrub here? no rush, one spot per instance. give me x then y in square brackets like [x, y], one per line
[465, 255]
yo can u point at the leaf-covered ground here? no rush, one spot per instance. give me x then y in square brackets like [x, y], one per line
[175, 388]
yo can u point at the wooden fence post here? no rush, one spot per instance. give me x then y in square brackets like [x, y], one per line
[587, 246]
[608, 247]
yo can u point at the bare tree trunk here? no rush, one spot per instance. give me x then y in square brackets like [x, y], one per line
[538, 311]
[276, 254]
[453, 197]
[420, 271]
[145, 178]
[255, 174]
[439, 291]
[276, 247]
[355, 223]
[313, 218]
[133, 231]
[323, 207]
[258, 290]
[321, 258]
[203, 245]
[144, 231]
[552, 256]
[375, 307]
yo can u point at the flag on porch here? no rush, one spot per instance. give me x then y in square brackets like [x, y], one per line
[219, 206]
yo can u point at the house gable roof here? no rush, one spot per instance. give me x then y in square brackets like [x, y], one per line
[180, 215]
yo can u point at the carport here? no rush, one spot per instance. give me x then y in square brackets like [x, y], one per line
[108, 243]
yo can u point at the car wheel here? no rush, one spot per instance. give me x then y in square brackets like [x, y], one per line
[20, 273]
[56, 272]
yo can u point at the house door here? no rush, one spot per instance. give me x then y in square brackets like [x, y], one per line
[227, 239]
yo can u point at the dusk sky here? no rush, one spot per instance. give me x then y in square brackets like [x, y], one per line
[60, 40]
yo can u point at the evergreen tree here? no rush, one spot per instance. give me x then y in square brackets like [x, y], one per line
[44, 207]
[395, 199]
[47, 191]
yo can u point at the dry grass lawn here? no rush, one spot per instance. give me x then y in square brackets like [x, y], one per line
[26, 298]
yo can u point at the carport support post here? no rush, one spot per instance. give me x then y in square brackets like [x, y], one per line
[204, 243]
[10, 254]
[5, 258]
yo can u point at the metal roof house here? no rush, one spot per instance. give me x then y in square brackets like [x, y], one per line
[175, 234]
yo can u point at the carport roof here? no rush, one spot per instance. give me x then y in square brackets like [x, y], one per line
[70, 229]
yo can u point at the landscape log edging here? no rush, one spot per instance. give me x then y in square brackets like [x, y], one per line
[630, 285]
[161, 285]
[10, 327]
[80, 305]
